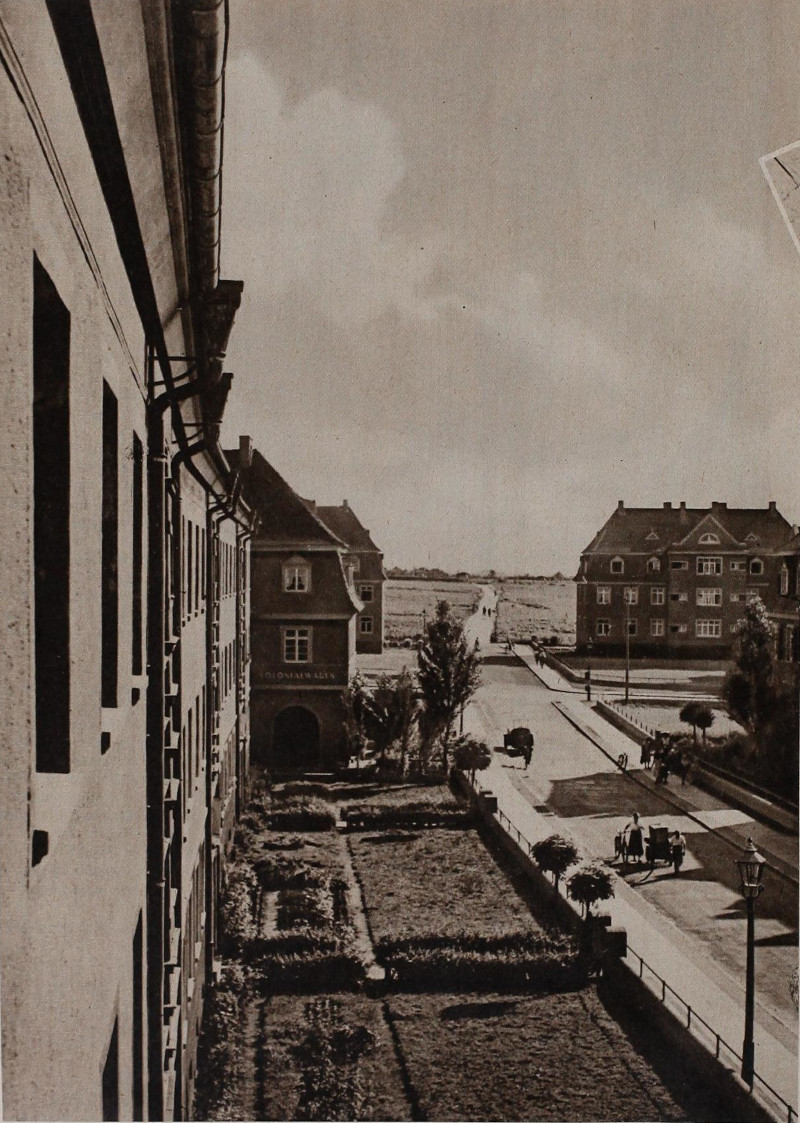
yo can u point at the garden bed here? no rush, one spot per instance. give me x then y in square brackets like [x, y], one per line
[442, 881]
[509, 1057]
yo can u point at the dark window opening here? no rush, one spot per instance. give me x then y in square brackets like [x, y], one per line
[111, 1077]
[138, 1031]
[110, 548]
[136, 557]
[51, 543]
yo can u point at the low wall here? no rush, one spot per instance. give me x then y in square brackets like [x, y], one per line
[758, 806]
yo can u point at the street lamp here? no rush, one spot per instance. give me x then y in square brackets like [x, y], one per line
[626, 598]
[424, 621]
[751, 867]
[589, 648]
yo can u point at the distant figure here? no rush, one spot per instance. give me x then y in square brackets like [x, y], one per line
[647, 748]
[527, 753]
[635, 838]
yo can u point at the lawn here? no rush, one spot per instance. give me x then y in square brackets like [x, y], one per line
[548, 1057]
[536, 607]
[405, 602]
[442, 881]
[667, 718]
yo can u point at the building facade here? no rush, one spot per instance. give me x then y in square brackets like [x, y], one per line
[674, 580]
[785, 611]
[366, 562]
[125, 734]
[303, 620]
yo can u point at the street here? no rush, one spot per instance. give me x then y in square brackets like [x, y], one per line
[572, 779]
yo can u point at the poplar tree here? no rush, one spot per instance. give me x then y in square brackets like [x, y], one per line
[448, 675]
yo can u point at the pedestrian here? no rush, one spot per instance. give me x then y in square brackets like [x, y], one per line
[647, 748]
[634, 838]
[686, 764]
[527, 752]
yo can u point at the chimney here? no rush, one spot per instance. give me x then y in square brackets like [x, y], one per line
[773, 507]
[683, 516]
[620, 504]
[245, 451]
[716, 506]
[668, 506]
[345, 505]
[312, 505]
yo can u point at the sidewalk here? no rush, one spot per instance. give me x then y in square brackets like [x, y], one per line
[674, 957]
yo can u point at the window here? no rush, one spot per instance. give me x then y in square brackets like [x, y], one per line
[136, 557]
[51, 495]
[678, 629]
[751, 595]
[709, 540]
[603, 627]
[633, 627]
[784, 581]
[709, 566]
[656, 627]
[617, 565]
[708, 629]
[110, 549]
[681, 598]
[736, 597]
[757, 566]
[604, 594]
[296, 576]
[654, 565]
[657, 594]
[679, 563]
[738, 566]
[366, 625]
[297, 645]
[365, 592]
[708, 598]
[631, 594]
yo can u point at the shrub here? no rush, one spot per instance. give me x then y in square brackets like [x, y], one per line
[555, 855]
[329, 1055]
[532, 960]
[220, 1048]
[302, 813]
[238, 911]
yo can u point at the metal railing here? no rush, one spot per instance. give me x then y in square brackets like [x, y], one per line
[696, 1025]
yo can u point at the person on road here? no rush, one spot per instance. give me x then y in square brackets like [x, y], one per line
[634, 837]
[527, 752]
[647, 748]
[677, 849]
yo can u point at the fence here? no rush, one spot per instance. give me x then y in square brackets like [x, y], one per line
[670, 998]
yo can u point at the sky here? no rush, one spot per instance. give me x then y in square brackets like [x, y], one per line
[509, 261]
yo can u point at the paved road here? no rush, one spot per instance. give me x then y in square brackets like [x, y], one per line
[572, 779]
[480, 625]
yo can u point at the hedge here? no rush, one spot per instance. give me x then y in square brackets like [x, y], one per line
[412, 816]
[528, 960]
[297, 814]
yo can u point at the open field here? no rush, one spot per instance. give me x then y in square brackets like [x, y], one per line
[405, 602]
[667, 718]
[542, 608]
[536, 1057]
[442, 881]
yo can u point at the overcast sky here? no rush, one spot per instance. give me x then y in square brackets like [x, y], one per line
[506, 263]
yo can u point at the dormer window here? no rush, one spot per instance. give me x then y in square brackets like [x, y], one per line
[652, 537]
[296, 576]
[709, 540]
[654, 565]
[756, 566]
[752, 538]
[617, 565]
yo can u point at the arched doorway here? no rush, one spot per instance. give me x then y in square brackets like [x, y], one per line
[295, 740]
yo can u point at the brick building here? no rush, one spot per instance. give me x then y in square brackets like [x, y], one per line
[366, 563]
[785, 609]
[676, 578]
[303, 619]
[123, 724]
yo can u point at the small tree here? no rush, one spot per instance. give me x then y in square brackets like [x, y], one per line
[471, 755]
[748, 687]
[448, 675]
[356, 702]
[589, 885]
[555, 855]
[389, 713]
[703, 718]
[689, 715]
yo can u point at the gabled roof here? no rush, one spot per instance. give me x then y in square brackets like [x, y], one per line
[283, 516]
[346, 526]
[630, 529]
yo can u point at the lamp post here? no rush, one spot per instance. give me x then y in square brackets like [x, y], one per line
[424, 622]
[751, 867]
[627, 643]
[589, 647]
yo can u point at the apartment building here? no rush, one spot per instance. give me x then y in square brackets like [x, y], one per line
[125, 735]
[674, 579]
[303, 619]
[366, 563]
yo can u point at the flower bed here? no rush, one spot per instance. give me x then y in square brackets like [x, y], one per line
[442, 881]
[416, 815]
[532, 961]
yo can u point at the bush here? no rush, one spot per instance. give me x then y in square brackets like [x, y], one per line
[220, 1048]
[329, 1055]
[238, 910]
[589, 885]
[532, 960]
[417, 815]
[302, 813]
